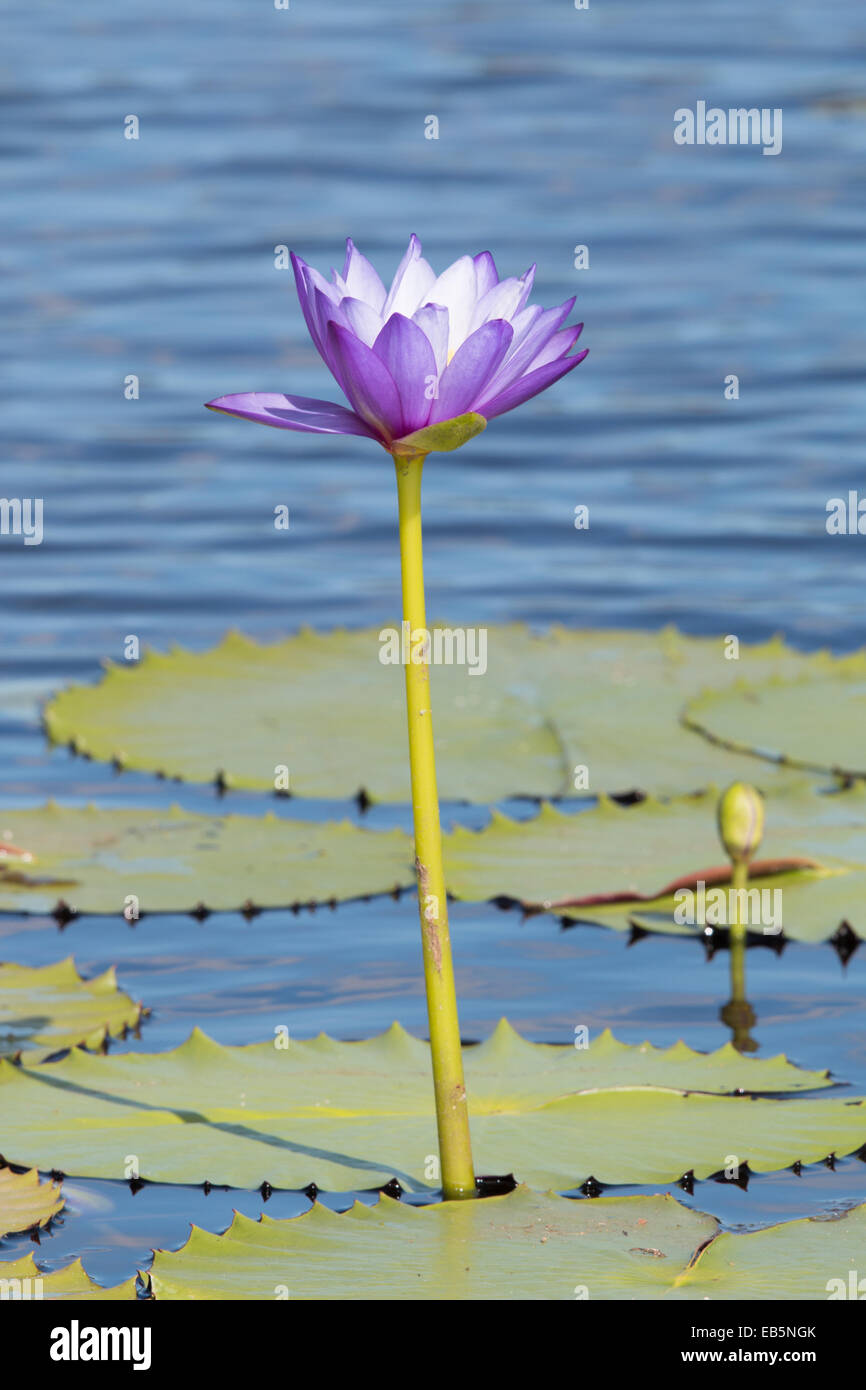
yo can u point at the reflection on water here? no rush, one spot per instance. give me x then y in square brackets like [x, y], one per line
[738, 1013]
[156, 258]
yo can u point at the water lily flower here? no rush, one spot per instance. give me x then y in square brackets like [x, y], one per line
[740, 821]
[429, 351]
[424, 365]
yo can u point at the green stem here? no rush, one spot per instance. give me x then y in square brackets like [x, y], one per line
[452, 1114]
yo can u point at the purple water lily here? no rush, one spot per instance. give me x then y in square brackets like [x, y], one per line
[460, 347]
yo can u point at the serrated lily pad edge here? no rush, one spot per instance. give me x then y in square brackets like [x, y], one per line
[47, 1200]
[71, 1283]
[66, 912]
[813, 664]
[96, 1038]
[689, 1274]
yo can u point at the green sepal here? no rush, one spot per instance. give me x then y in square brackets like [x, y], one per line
[441, 438]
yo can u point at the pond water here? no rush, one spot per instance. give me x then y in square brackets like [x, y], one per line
[155, 258]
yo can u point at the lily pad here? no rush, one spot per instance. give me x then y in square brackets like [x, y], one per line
[815, 722]
[174, 861]
[814, 908]
[328, 709]
[51, 1007]
[616, 864]
[23, 1279]
[527, 1245]
[809, 1259]
[348, 1115]
[25, 1201]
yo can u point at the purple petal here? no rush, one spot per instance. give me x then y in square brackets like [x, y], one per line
[470, 369]
[361, 279]
[292, 413]
[529, 385]
[304, 288]
[557, 345]
[408, 355]
[319, 304]
[522, 323]
[324, 312]
[432, 319]
[532, 341]
[369, 386]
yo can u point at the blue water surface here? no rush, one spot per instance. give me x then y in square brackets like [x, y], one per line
[155, 257]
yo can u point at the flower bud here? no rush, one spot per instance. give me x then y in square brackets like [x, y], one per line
[741, 821]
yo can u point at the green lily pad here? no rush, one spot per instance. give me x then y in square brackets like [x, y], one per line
[606, 864]
[527, 1245]
[617, 864]
[25, 1201]
[349, 1115]
[325, 707]
[809, 1259]
[174, 861]
[51, 1007]
[814, 722]
[23, 1279]
[814, 908]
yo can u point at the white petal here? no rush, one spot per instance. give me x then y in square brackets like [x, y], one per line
[360, 279]
[502, 302]
[522, 322]
[456, 288]
[364, 322]
[432, 319]
[486, 274]
[411, 283]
